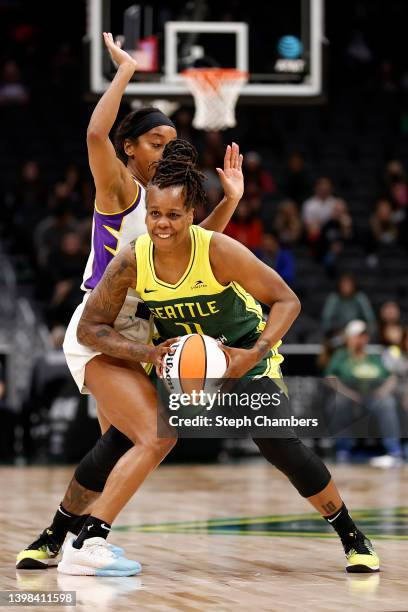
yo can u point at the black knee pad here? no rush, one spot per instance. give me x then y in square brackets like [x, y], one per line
[94, 469]
[305, 470]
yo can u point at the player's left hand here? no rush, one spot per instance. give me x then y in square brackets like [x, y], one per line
[162, 350]
[240, 361]
[231, 177]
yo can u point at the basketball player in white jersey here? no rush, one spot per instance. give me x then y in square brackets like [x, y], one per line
[121, 173]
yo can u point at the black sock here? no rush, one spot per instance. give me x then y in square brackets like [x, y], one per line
[342, 522]
[61, 524]
[93, 528]
[78, 523]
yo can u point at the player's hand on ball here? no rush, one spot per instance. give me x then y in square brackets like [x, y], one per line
[231, 177]
[159, 351]
[240, 361]
[118, 55]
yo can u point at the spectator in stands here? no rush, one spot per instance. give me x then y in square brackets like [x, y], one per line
[395, 188]
[48, 234]
[392, 335]
[183, 118]
[79, 191]
[64, 271]
[365, 388]
[245, 226]
[389, 317]
[383, 228]
[207, 166]
[259, 205]
[346, 304]
[288, 223]
[394, 173]
[26, 205]
[255, 172]
[280, 259]
[214, 145]
[335, 235]
[296, 183]
[318, 209]
[395, 359]
[13, 92]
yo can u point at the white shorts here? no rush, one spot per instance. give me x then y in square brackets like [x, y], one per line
[126, 323]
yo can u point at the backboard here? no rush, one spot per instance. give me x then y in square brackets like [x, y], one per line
[278, 43]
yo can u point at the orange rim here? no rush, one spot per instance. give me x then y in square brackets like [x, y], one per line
[214, 77]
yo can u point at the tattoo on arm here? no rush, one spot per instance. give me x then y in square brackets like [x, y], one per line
[95, 327]
[263, 347]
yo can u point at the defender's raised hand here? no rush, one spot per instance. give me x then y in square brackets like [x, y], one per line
[231, 177]
[118, 55]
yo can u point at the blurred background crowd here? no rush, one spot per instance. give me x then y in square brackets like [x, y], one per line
[325, 202]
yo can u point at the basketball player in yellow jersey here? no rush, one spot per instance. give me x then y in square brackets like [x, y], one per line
[163, 267]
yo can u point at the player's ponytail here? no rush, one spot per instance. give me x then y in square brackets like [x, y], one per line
[178, 166]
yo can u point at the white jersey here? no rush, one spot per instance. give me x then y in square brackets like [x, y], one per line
[110, 233]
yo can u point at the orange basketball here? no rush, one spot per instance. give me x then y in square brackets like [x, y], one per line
[195, 365]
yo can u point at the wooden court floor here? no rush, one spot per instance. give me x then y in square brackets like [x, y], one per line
[221, 538]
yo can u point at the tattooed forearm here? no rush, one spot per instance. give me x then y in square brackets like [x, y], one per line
[263, 347]
[95, 328]
[77, 498]
[105, 339]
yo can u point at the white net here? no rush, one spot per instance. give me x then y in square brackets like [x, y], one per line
[215, 91]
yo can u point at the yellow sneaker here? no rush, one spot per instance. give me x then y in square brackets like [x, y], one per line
[361, 557]
[42, 553]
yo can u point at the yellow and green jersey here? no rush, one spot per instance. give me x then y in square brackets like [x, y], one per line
[198, 303]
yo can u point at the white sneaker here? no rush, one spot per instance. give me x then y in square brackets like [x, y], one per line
[386, 461]
[117, 550]
[95, 559]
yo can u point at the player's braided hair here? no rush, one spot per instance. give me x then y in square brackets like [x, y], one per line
[178, 167]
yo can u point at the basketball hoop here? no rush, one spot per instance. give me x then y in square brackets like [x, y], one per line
[215, 92]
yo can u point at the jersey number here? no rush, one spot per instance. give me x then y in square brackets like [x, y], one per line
[189, 328]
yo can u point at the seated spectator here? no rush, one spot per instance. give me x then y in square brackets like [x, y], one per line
[259, 206]
[296, 183]
[389, 315]
[392, 334]
[49, 232]
[346, 304]
[13, 92]
[256, 173]
[288, 224]
[336, 233]
[383, 228]
[281, 260]
[79, 194]
[207, 166]
[213, 144]
[27, 204]
[395, 359]
[318, 209]
[365, 388]
[394, 173]
[395, 188]
[64, 271]
[183, 119]
[245, 227]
